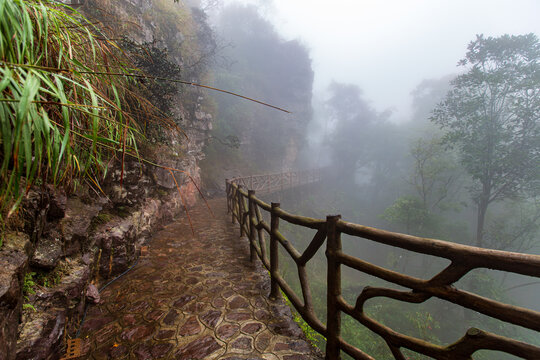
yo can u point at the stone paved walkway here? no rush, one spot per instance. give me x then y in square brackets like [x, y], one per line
[194, 297]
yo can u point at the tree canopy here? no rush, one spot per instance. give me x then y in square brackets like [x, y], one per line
[491, 115]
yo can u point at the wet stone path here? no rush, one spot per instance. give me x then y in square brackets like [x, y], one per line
[194, 297]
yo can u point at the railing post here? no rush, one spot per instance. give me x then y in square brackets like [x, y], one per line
[240, 210]
[227, 191]
[333, 314]
[274, 253]
[233, 206]
[251, 207]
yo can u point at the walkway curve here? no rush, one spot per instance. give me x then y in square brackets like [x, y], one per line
[194, 297]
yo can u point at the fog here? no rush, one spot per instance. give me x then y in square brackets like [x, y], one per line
[388, 47]
[379, 101]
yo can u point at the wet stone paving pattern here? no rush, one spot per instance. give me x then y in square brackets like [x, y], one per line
[194, 297]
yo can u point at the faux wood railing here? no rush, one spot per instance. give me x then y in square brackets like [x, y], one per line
[268, 183]
[246, 209]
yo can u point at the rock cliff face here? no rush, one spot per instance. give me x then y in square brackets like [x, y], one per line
[14, 263]
[69, 244]
[266, 66]
[94, 241]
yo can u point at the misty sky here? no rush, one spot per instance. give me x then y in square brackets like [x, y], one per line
[388, 46]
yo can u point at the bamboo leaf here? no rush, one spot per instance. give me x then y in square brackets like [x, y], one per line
[60, 107]
[6, 78]
[30, 89]
[6, 141]
[27, 146]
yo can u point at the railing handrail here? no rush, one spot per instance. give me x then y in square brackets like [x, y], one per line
[268, 183]
[304, 171]
[245, 208]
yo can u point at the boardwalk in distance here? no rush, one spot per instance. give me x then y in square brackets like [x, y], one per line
[194, 297]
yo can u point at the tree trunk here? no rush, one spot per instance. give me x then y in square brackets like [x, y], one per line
[481, 216]
[483, 203]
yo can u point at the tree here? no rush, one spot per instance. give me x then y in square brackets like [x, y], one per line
[434, 173]
[434, 177]
[515, 227]
[408, 211]
[427, 94]
[264, 66]
[491, 115]
[361, 136]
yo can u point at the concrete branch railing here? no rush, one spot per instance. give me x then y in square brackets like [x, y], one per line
[269, 183]
[246, 209]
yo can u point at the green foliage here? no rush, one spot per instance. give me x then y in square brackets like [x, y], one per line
[435, 173]
[48, 282]
[186, 35]
[53, 277]
[61, 115]
[514, 226]
[424, 325]
[355, 118]
[509, 93]
[103, 218]
[434, 180]
[311, 335]
[409, 212]
[418, 321]
[27, 306]
[363, 338]
[366, 153]
[28, 284]
[491, 115]
[154, 61]
[434, 321]
[425, 96]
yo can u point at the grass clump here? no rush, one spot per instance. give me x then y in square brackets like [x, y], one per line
[315, 339]
[28, 288]
[28, 306]
[63, 116]
[48, 279]
[103, 218]
[52, 277]
[29, 284]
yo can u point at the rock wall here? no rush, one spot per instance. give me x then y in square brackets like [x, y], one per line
[264, 66]
[14, 263]
[95, 240]
[68, 245]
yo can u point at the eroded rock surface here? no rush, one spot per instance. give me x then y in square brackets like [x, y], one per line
[75, 226]
[13, 264]
[59, 306]
[48, 251]
[194, 297]
[41, 333]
